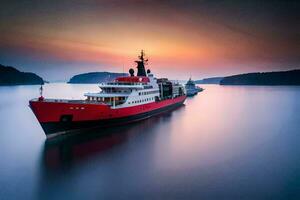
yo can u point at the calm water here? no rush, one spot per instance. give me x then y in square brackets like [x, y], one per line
[225, 143]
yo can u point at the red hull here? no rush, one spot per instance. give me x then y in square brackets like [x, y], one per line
[51, 112]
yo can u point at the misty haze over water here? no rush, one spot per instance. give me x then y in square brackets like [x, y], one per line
[228, 142]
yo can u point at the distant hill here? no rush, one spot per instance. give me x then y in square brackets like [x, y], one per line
[95, 77]
[11, 76]
[266, 78]
[213, 80]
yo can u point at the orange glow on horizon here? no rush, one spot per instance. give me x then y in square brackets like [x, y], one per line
[110, 35]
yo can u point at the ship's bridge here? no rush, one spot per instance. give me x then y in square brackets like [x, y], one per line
[130, 82]
[133, 79]
[114, 85]
[101, 94]
[112, 99]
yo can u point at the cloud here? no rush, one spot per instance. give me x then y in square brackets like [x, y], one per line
[198, 35]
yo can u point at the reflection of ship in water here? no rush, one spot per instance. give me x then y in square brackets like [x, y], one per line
[191, 88]
[63, 156]
[62, 152]
[91, 158]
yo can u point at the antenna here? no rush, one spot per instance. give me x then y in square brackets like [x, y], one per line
[41, 90]
[142, 55]
[41, 98]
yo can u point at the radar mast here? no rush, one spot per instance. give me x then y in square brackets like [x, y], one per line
[141, 64]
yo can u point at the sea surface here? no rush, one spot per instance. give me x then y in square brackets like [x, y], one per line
[228, 142]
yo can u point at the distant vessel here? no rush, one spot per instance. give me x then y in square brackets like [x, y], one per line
[191, 88]
[124, 100]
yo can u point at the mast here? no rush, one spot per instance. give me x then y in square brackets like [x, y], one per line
[141, 64]
[41, 90]
[41, 98]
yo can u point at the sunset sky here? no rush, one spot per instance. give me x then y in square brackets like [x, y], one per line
[182, 38]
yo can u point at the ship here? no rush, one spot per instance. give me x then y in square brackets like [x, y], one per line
[124, 100]
[191, 88]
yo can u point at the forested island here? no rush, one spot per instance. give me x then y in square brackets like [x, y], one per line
[11, 76]
[291, 77]
[213, 80]
[95, 77]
